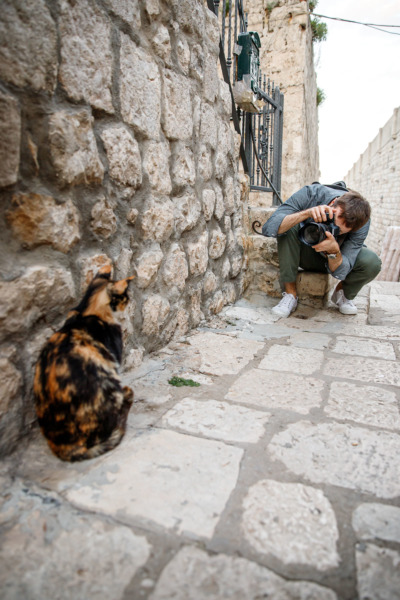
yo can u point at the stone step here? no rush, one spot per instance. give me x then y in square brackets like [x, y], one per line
[258, 213]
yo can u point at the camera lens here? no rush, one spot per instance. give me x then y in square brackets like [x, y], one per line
[312, 234]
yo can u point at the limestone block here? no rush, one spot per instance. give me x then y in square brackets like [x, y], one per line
[196, 104]
[132, 215]
[229, 198]
[219, 203]
[226, 268]
[177, 115]
[183, 53]
[226, 98]
[38, 220]
[26, 299]
[175, 270]
[208, 203]
[229, 293]
[147, 265]
[190, 15]
[162, 44]
[211, 79]
[195, 307]
[86, 57]
[123, 156]
[366, 369]
[220, 162]
[217, 243]
[10, 406]
[152, 7]
[123, 264]
[73, 148]
[204, 163]
[154, 312]
[157, 222]
[294, 522]
[217, 303]
[89, 266]
[260, 214]
[265, 278]
[197, 252]
[373, 348]
[312, 284]
[183, 169]
[140, 89]
[212, 29]
[236, 264]
[177, 326]
[156, 166]
[188, 575]
[28, 52]
[208, 125]
[374, 520]
[128, 11]
[209, 282]
[65, 549]
[265, 249]
[304, 361]
[104, 221]
[197, 62]
[378, 574]
[187, 210]
[133, 359]
[10, 138]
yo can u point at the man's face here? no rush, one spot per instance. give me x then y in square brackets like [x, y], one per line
[339, 220]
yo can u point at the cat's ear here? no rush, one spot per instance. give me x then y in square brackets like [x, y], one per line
[119, 287]
[104, 272]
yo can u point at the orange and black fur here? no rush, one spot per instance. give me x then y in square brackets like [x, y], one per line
[81, 405]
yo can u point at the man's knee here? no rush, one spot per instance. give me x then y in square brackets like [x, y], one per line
[369, 262]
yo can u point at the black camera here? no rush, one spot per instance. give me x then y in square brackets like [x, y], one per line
[312, 233]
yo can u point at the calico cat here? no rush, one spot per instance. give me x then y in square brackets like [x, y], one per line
[81, 405]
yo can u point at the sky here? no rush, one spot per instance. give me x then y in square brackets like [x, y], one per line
[358, 68]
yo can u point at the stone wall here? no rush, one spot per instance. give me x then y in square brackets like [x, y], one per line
[376, 175]
[286, 57]
[115, 147]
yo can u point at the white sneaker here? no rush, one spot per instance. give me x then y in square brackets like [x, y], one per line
[345, 306]
[286, 306]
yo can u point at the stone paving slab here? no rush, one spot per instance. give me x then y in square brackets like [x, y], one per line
[379, 521]
[302, 361]
[366, 370]
[372, 348]
[378, 572]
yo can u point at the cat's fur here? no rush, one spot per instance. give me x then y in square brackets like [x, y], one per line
[81, 405]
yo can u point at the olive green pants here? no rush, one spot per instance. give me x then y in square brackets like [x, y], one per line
[294, 254]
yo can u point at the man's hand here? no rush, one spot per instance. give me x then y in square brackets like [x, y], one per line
[329, 245]
[318, 213]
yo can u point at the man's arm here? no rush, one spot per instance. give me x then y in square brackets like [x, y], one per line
[317, 213]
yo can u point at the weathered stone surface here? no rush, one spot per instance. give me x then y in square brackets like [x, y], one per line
[189, 15]
[226, 268]
[63, 550]
[301, 360]
[229, 197]
[123, 264]
[209, 282]
[140, 487]
[197, 62]
[195, 307]
[217, 303]
[236, 264]
[378, 521]
[198, 254]
[132, 215]
[175, 270]
[73, 148]
[367, 370]
[140, 89]
[133, 359]
[152, 7]
[204, 163]
[156, 166]
[212, 28]
[10, 138]
[177, 115]
[187, 210]
[222, 354]
[128, 11]
[158, 219]
[211, 79]
[10, 406]
[229, 293]
[154, 312]
[378, 573]
[209, 125]
[38, 219]
[37, 292]
[373, 348]
[86, 57]
[279, 390]
[148, 264]
[194, 575]
[216, 420]
[183, 169]
[28, 52]
[318, 341]
[123, 156]
[208, 203]
[183, 53]
[104, 221]
[342, 455]
[162, 44]
[219, 203]
[294, 522]
[369, 405]
[217, 243]
[90, 266]
[225, 96]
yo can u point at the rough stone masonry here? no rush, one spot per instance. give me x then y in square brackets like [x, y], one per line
[115, 148]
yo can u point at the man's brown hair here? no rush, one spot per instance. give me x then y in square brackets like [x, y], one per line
[356, 210]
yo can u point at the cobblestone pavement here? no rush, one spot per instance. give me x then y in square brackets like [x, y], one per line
[278, 477]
